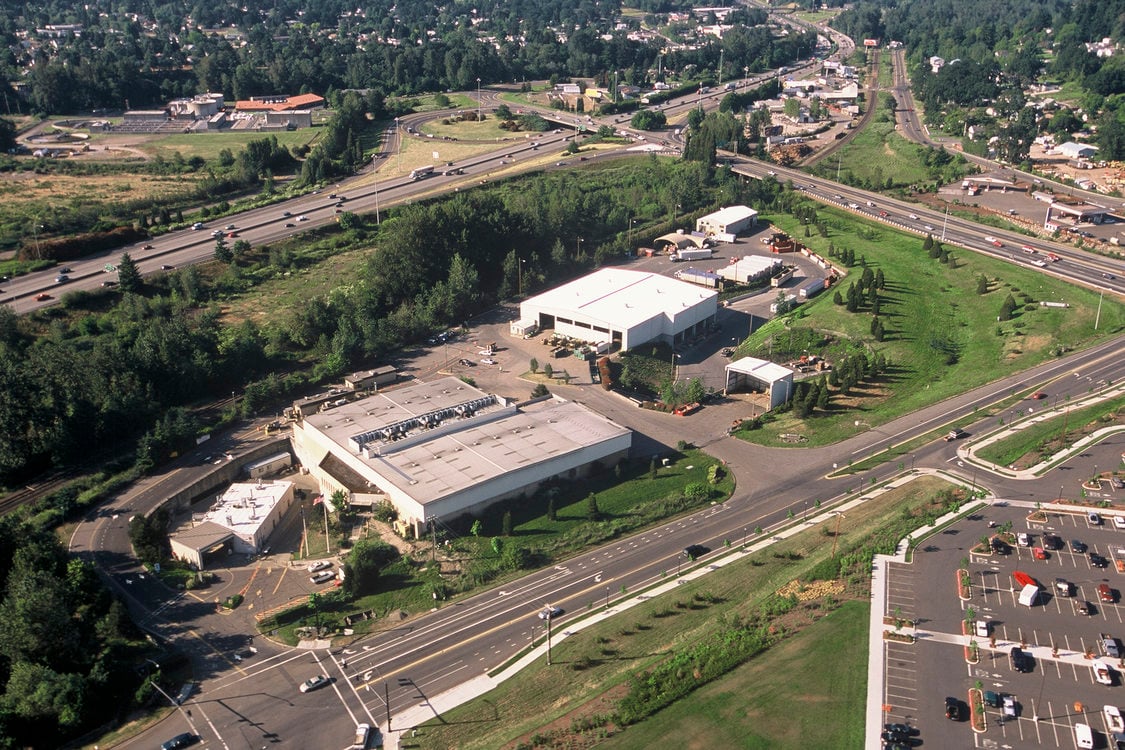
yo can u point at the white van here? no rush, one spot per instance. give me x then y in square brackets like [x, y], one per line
[362, 735]
[1083, 736]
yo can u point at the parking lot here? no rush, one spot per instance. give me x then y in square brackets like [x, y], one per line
[1054, 688]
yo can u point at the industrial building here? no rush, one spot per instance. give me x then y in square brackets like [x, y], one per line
[624, 308]
[239, 522]
[442, 449]
[727, 222]
[750, 374]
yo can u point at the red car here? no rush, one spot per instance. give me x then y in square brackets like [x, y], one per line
[1039, 395]
[1039, 553]
[42, 297]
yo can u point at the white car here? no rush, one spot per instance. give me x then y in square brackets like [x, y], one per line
[1093, 519]
[982, 628]
[323, 576]
[1113, 719]
[319, 565]
[1023, 539]
[313, 683]
[488, 361]
[1009, 706]
[302, 217]
[1102, 673]
[1119, 522]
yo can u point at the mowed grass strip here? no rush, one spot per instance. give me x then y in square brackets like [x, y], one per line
[807, 691]
[604, 656]
[1033, 437]
[928, 309]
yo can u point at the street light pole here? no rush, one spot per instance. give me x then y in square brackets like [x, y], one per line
[478, 98]
[375, 179]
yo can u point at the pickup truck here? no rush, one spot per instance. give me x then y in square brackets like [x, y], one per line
[1113, 719]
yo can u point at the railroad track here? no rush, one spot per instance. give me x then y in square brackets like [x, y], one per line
[33, 492]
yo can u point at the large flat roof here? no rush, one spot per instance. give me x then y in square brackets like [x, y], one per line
[458, 453]
[729, 214]
[622, 297]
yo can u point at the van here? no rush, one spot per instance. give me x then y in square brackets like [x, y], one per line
[1105, 593]
[1109, 647]
[362, 735]
[1083, 736]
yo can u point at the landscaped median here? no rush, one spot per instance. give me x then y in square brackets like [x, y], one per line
[977, 715]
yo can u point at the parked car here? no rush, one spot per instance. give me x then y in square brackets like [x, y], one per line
[1103, 675]
[1009, 706]
[1052, 541]
[1110, 647]
[1093, 519]
[1098, 561]
[319, 565]
[314, 683]
[1064, 587]
[1020, 659]
[1077, 546]
[1039, 553]
[1106, 594]
[1119, 522]
[1081, 607]
[1023, 539]
[488, 361]
[323, 576]
[981, 628]
[953, 710]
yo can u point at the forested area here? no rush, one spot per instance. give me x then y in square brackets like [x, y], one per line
[104, 368]
[67, 648]
[291, 47]
[993, 57]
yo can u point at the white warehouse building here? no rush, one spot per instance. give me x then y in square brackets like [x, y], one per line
[727, 222]
[441, 449]
[625, 308]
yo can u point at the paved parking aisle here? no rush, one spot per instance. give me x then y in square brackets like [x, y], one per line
[900, 698]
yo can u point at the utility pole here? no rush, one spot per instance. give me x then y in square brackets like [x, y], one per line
[375, 179]
[387, 703]
[478, 98]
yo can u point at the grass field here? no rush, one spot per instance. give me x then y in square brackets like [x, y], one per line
[590, 668]
[789, 697]
[877, 154]
[930, 310]
[208, 145]
[1025, 448]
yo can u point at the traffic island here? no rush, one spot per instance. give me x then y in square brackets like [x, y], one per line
[977, 716]
[964, 585]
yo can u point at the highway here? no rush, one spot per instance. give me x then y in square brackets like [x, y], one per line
[1076, 266]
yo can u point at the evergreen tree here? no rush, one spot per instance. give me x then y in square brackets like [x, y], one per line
[592, 511]
[1007, 308]
[837, 298]
[880, 280]
[982, 284]
[128, 276]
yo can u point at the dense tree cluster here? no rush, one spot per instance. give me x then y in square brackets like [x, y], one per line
[991, 60]
[113, 366]
[65, 653]
[180, 48]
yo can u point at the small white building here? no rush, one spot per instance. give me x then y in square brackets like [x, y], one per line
[239, 522]
[1072, 150]
[729, 220]
[760, 376]
[625, 308]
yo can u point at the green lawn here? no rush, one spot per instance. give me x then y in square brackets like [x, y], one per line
[878, 153]
[1048, 433]
[591, 668]
[929, 310]
[808, 691]
[208, 145]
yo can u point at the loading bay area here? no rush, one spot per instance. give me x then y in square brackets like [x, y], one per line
[1052, 679]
